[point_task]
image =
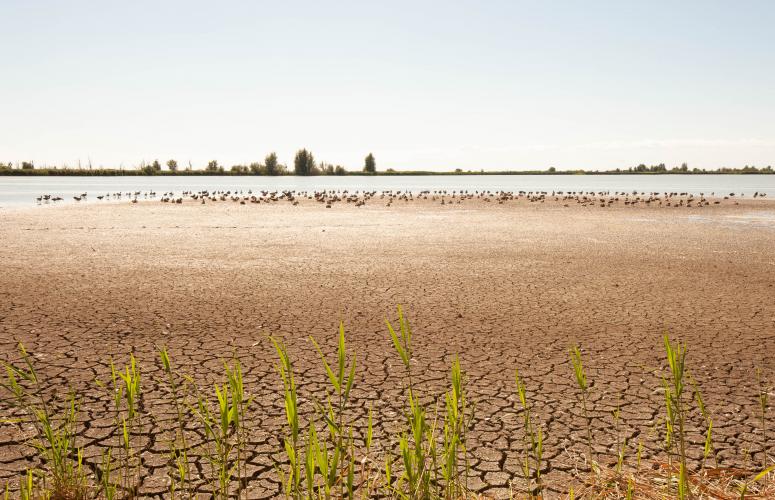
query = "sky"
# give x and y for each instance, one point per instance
(427, 85)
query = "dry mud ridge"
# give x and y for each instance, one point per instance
(501, 286)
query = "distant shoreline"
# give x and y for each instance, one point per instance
(42, 172)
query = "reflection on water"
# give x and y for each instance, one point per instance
(23, 191)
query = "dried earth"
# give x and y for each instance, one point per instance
(502, 286)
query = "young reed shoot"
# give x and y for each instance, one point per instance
(675, 407)
(583, 385)
(341, 378)
(764, 403)
(532, 443)
(179, 447)
(291, 478)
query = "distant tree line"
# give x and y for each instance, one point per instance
(684, 169)
(304, 164)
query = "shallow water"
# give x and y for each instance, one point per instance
(22, 191)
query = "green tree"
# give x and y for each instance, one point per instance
(304, 163)
(326, 168)
(172, 165)
(147, 168)
(28, 165)
(212, 166)
(270, 164)
(339, 170)
(370, 164)
(156, 166)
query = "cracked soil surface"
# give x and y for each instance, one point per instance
(502, 286)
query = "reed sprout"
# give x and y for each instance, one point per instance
(291, 478)
(621, 446)
(532, 443)
(28, 487)
(758, 477)
(223, 426)
(458, 418)
(581, 381)
(106, 483)
(414, 443)
(764, 402)
(674, 386)
(708, 448)
(179, 447)
(125, 389)
(341, 379)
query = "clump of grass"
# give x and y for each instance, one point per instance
(332, 412)
(427, 471)
(125, 389)
(55, 439)
(431, 464)
(327, 467)
(224, 431)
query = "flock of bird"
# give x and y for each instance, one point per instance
(45, 198)
(443, 197)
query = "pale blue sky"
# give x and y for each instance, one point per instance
(423, 85)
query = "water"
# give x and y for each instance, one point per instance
(22, 191)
